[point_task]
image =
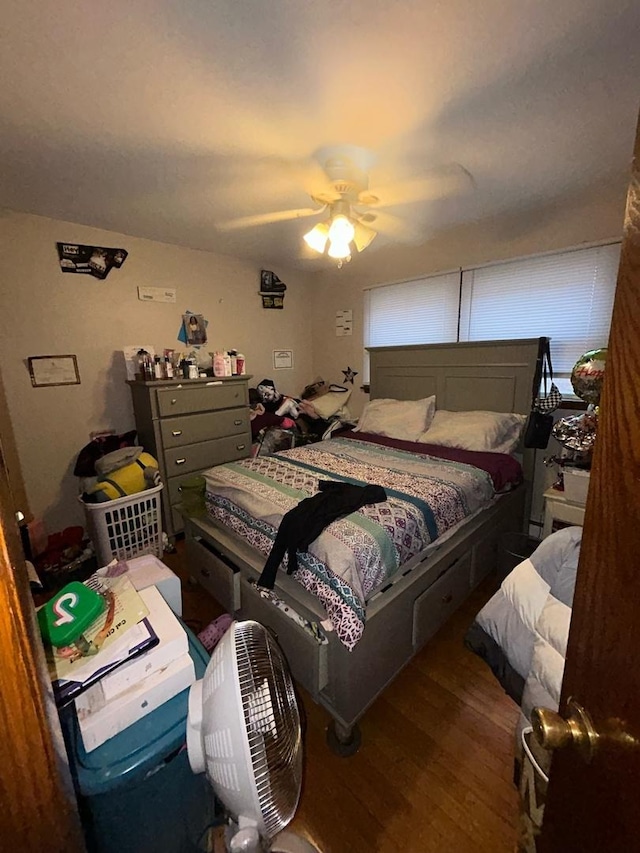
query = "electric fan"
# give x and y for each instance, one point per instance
(243, 730)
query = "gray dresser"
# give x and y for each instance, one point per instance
(190, 425)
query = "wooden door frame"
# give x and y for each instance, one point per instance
(38, 807)
(11, 460)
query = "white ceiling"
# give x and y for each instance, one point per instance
(164, 118)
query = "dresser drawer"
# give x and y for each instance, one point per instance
(205, 454)
(436, 604)
(185, 399)
(190, 429)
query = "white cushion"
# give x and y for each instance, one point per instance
(402, 419)
(496, 432)
(329, 404)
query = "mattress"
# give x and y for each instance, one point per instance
(428, 493)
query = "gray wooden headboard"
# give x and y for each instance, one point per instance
(482, 375)
(492, 376)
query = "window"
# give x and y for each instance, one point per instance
(566, 296)
(424, 311)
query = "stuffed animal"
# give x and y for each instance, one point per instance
(269, 397)
(123, 472)
(275, 402)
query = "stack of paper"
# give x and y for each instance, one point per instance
(148, 570)
(138, 687)
(120, 633)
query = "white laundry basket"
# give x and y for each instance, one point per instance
(126, 527)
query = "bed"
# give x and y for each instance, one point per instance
(346, 668)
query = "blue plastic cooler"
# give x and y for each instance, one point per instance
(136, 792)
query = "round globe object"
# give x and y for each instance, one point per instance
(587, 375)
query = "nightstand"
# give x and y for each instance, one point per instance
(558, 508)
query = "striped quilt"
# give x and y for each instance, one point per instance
(355, 555)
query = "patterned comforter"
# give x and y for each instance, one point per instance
(353, 556)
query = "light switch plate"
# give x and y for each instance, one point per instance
(157, 294)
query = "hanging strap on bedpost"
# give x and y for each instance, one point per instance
(544, 353)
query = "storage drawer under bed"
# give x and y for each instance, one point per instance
(215, 574)
(307, 659)
(440, 600)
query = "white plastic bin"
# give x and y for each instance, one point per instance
(126, 527)
(576, 485)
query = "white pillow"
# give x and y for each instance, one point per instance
(329, 404)
(496, 432)
(402, 419)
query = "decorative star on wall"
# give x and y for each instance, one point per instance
(349, 375)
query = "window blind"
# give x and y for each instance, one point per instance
(567, 297)
(423, 311)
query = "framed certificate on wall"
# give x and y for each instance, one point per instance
(47, 370)
(282, 358)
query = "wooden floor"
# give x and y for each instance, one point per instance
(435, 766)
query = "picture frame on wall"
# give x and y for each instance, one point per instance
(51, 370)
(195, 329)
(282, 358)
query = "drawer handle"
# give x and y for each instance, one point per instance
(205, 573)
(447, 599)
(180, 461)
(174, 401)
(176, 432)
(237, 423)
(240, 446)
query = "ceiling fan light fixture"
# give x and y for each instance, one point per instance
(363, 236)
(317, 238)
(341, 230)
(339, 250)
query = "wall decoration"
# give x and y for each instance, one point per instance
(272, 301)
(97, 261)
(270, 283)
(47, 370)
(156, 294)
(271, 289)
(349, 375)
(344, 322)
(193, 329)
(282, 358)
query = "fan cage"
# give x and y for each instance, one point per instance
(272, 723)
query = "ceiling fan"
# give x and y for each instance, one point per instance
(337, 181)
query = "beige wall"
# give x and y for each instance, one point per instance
(44, 311)
(597, 215)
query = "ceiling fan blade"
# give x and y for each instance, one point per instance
(268, 218)
(394, 227)
(439, 183)
(311, 176)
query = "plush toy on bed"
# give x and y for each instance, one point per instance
(275, 402)
(264, 402)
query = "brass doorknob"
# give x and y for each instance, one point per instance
(554, 732)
